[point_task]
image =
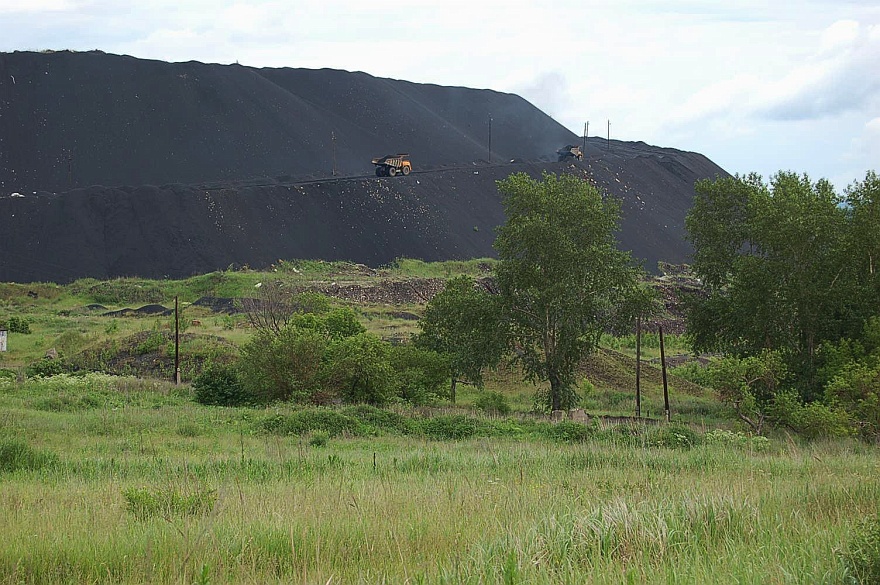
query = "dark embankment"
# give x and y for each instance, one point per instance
(122, 166)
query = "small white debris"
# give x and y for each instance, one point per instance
(16, 195)
(258, 285)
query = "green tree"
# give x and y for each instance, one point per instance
(562, 279)
(464, 323)
(775, 262)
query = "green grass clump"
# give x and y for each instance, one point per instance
(145, 503)
(862, 555)
(568, 432)
(332, 422)
(17, 455)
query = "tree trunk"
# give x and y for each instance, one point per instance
(555, 391)
(452, 390)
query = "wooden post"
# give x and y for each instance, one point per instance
(639, 367)
(176, 342)
(663, 366)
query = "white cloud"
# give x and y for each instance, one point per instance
(35, 6)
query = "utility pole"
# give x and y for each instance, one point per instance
(176, 342)
(609, 134)
(663, 366)
(639, 367)
(489, 151)
(584, 149)
(333, 140)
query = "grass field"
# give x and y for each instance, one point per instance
(124, 481)
(108, 479)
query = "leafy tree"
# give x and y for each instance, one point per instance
(562, 279)
(775, 261)
(464, 323)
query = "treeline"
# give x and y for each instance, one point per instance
(791, 271)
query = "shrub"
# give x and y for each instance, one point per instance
(568, 432)
(282, 366)
(358, 368)
(422, 374)
(319, 439)
(380, 420)
(153, 343)
(861, 558)
(17, 325)
(15, 455)
(736, 439)
(674, 436)
(47, 367)
(330, 421)
(493, 403)
(452, 427)
(219, 385)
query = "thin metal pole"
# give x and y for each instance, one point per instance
(663, 366)
(333, 139)
(639, 367)
(176, 341)
(609, 134)
(489, 149)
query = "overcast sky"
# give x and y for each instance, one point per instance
(755, 85)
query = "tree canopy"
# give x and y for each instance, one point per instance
(789, 267)
(562, 279)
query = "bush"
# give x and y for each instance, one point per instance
(283, 366)
(736, 439)
(358, 368)
(380, 420)
(568, 432)
(17, 325)
(493, 403)
(674, 436)
(219, 385)
(15, 455)
(329, 421)
(47, 367)
(452, 427)
(861, 558)
(319, 439)
(422, 374)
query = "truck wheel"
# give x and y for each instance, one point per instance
(406, 170)
(392, 171)
(379, 171)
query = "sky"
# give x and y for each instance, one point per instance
(755, 85)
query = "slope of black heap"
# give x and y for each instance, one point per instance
(114, 166)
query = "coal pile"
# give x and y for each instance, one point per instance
(126, 167)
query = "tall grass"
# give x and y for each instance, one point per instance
(125, 496)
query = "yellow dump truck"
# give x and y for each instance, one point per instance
(391, 164)
(570, 150)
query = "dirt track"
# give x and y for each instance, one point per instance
(243, 160)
